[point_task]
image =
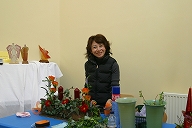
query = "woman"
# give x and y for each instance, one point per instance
(101, 69)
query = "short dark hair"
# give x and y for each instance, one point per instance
(100, 39)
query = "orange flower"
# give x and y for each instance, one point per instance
(85, 90)
(55, 83)
(87, 97)
(51, 78)
(53, 90)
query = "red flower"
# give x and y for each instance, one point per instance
(84, 108)
(47, 103)
(65, 101)
(187, 116)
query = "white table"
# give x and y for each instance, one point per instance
(20, 85)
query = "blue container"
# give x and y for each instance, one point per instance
(115, 90)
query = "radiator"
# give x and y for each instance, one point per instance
(175, 103)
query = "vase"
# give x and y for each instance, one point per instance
(154, 114)
(126, 108)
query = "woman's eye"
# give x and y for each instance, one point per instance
(94, 47)
(101, 45)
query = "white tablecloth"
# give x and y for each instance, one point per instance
(20, 85)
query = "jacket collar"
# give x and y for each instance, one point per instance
(96, 60)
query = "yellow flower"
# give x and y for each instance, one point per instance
(93, 102)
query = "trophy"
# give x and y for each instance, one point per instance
(44, 55)
(24, 54)
(14, 53)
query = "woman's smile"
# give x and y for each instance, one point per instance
(98, 50)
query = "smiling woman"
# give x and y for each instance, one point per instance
(101, 70)
(98, 50)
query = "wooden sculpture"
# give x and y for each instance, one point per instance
(44, 55)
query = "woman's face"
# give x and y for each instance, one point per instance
(98, 50)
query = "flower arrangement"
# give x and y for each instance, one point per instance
(187, 117)
(159, 101)
(67, 107)
(187, 114)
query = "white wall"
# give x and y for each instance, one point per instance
(151, 40)
(33, 23)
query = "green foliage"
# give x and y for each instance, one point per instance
(159, 101)
(88, 122)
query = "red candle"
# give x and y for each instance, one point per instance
(60, 93)
(187, 123)
(60, 89)
(76, 93)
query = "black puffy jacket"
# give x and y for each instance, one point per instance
(103, 74)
